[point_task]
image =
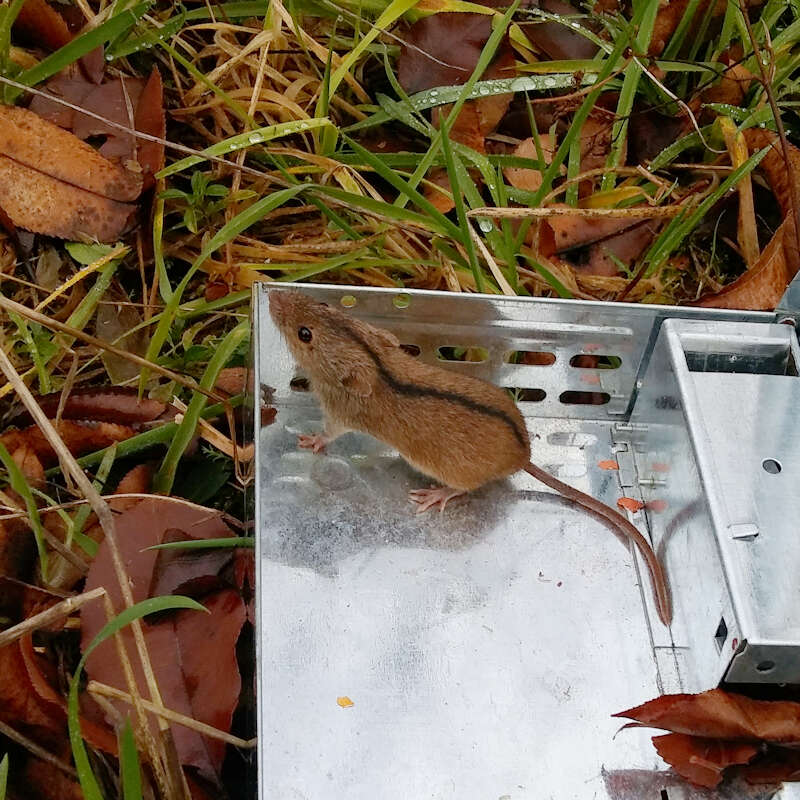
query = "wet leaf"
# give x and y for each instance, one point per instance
(701, 761)
(555, 39)
(718, 714)
(630, 504)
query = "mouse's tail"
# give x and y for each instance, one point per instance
(624, 526)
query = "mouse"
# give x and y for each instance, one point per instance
(461, 431)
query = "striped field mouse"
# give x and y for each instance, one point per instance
(457, 429)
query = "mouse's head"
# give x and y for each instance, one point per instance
(332, 347)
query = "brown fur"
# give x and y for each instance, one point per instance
(462, 443)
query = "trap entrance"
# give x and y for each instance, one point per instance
(480, 653)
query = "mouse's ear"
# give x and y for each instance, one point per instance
(354, 376)
(385, 337)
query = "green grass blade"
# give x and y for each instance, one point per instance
(3, 776)
(619, 131)
(129, 767)
(18, 483)
(404, 188)
(681, 226)
(393, 12)
(8, 13)
(165, 477)
(81, 45)
(225, 234)
(203, 544)
(89, 785)
(242, 140)
(36, 356)
(461, 211)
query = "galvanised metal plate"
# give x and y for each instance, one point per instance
(483, 649)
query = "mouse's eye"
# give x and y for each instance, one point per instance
(304, 335)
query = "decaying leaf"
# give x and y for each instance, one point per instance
(762, 286)
(195, 679)
(150, 119)
(118, 404)
(52, 183)
(525, 177)
(701, 761)
(40, 23)
(79, 437)
(555, 39)
(717, 714)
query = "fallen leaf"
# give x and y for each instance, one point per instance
(555, 39)
(79, 437)
(701, 761)
(779, 764)
(344, 702)
(630, 504)
(52, 183)
(610, 464)
(106, 404)
(42, 781)
(150, 119)
(34, 142)
(762, 286)
(717, 714)
(204, 690)
(525, 177)
(732, 86)
(41, 24)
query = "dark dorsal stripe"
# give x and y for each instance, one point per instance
(412, 390)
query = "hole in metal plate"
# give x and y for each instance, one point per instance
(411, 349)
(471, 353)
(765, 666)
(573, 398)
(772, 466)
(533, 358)
(528, 395)
(595, 362)
(721, 634)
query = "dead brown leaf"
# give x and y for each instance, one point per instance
(150, 119)
(79, 437)
(717, 714)
(52, 183)
(41, 24)
(702, 761)
(194, 679)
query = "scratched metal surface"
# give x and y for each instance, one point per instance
(483, 650)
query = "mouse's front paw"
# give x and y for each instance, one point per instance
(313, 441)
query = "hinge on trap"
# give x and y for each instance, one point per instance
(623, 435)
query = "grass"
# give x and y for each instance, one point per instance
(308, 161)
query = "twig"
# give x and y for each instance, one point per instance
(59, 610)
(103, 689)
(34, 748)
(639, 212)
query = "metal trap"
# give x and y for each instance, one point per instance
(483, 650)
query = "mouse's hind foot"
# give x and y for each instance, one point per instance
(435, 496)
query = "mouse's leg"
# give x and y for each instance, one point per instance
(435, 496)
(319, 441)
